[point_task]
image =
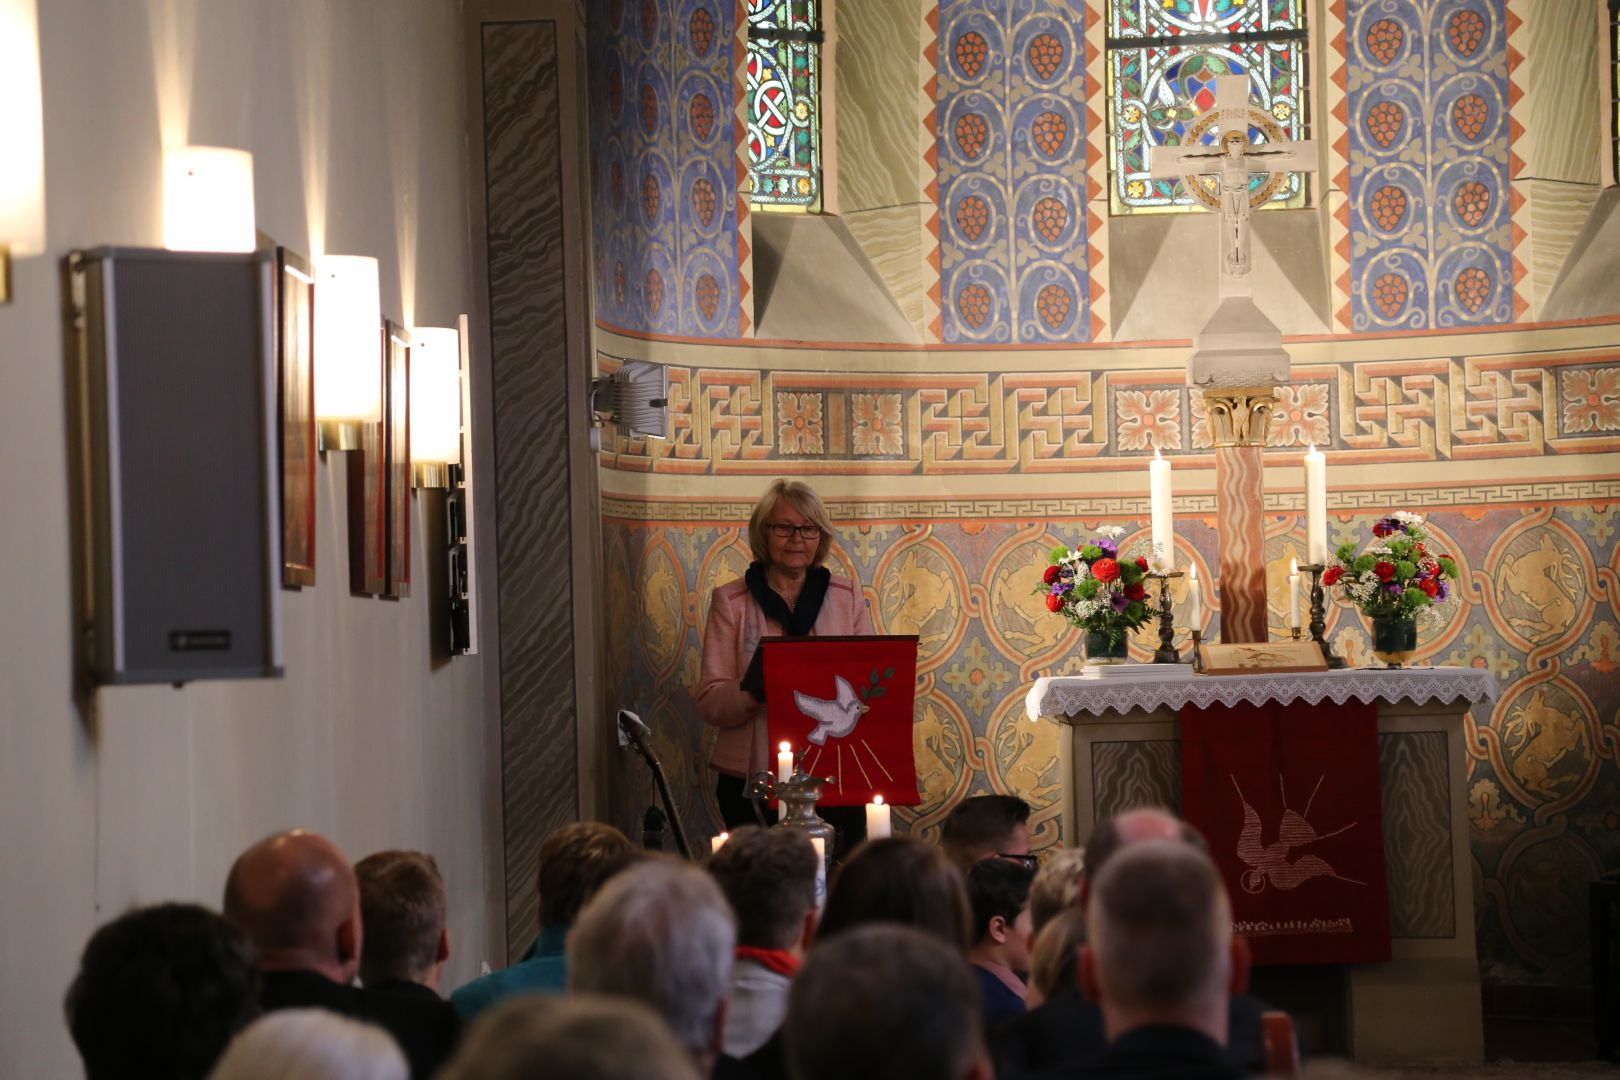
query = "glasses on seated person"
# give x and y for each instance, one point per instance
(1028, 860)
(806, 532)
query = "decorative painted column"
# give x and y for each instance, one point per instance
(1238, 419)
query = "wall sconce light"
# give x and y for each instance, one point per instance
(22, 140)
(435, 404)
(348, 386)
(208, 199)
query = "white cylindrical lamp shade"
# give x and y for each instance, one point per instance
(208, 199)
(435, 395)
(348, 339)
(22, 131)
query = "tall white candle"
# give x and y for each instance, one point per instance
(1164, 521)
(1195, 619)
(1293, 592)
(1315, 506)
(718, 842)
(784, 763)
(877, 819)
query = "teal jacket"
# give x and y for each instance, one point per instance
(542, 970)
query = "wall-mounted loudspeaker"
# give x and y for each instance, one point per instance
(184, 528)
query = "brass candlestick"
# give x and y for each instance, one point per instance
(1197, 658)
(1319, 617)
(1166, 652)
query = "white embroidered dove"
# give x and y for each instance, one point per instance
(836, 717)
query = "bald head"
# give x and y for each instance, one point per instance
(295, 895)
(1134, 826)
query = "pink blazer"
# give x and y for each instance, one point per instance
(735, 626)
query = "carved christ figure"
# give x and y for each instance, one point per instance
(1232, 159)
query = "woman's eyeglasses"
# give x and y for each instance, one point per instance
(806, 532)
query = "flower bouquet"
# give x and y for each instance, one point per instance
(1098, 591)
(1396, 582)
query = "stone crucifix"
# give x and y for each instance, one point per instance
(1233, 158)
(1237, 359)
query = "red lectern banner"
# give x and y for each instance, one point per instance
(845, 703)
(1288, 797)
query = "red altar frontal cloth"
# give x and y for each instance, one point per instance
(845, 703)
(1288, 797)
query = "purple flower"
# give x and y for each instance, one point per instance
(1109, 548)
(1395, 588)
(1119, 601)
(1059, 587)
(1445, 590)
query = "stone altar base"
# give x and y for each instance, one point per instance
(1122, 749)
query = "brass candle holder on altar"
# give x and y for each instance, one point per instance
(1166, 652)
(1319, 616)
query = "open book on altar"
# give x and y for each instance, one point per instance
(844, 707)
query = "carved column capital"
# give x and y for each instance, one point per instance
(1239, 415)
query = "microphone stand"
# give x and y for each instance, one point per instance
(636, 731)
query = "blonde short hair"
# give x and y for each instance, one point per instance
(801, 497)
(1054, 960)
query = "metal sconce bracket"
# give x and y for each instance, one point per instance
(455, 515)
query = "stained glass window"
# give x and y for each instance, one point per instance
(784, 116)
(1614, 89)
(1163, 59)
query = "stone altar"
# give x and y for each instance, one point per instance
(1123, 750)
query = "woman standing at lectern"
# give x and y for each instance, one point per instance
(786, 591)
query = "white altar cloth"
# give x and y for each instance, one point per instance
(1152, 686)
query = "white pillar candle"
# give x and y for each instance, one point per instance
(1293, 592)
(1315, 507)
(877, 819)
(1164, 521)
(718, 842)
(784, 763)
(1195, 619)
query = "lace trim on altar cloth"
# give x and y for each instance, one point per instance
(1072, 695)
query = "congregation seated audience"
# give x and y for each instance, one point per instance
(1054, 958)
(574, 862)
(885, 1002)
(578, 1037)
(403, 909)
(1159, 962)
(998, 892)
(160, 991)
(769, 878)
(1056, 887)
(986, 825)
(1065, 1026)
(901, 880)
(311, 1044)
(660, 933)
(296, 897)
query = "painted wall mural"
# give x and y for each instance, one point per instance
(1428, 104)
(663, 173)
(1011, 129)
(1539, 607)
(1455, 408)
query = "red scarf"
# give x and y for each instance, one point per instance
(778, 960)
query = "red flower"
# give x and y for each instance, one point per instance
(1135, 592)
(1384, 570)
(1051, 574)
(1428, 586)
(1053, 603)
(1105, 570)
(1380, 530)
(1141, 564)
(1420, 549)
(1332, 575)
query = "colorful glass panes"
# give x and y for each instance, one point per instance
(1163, 59)
(784, 124)
(1614, 89)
